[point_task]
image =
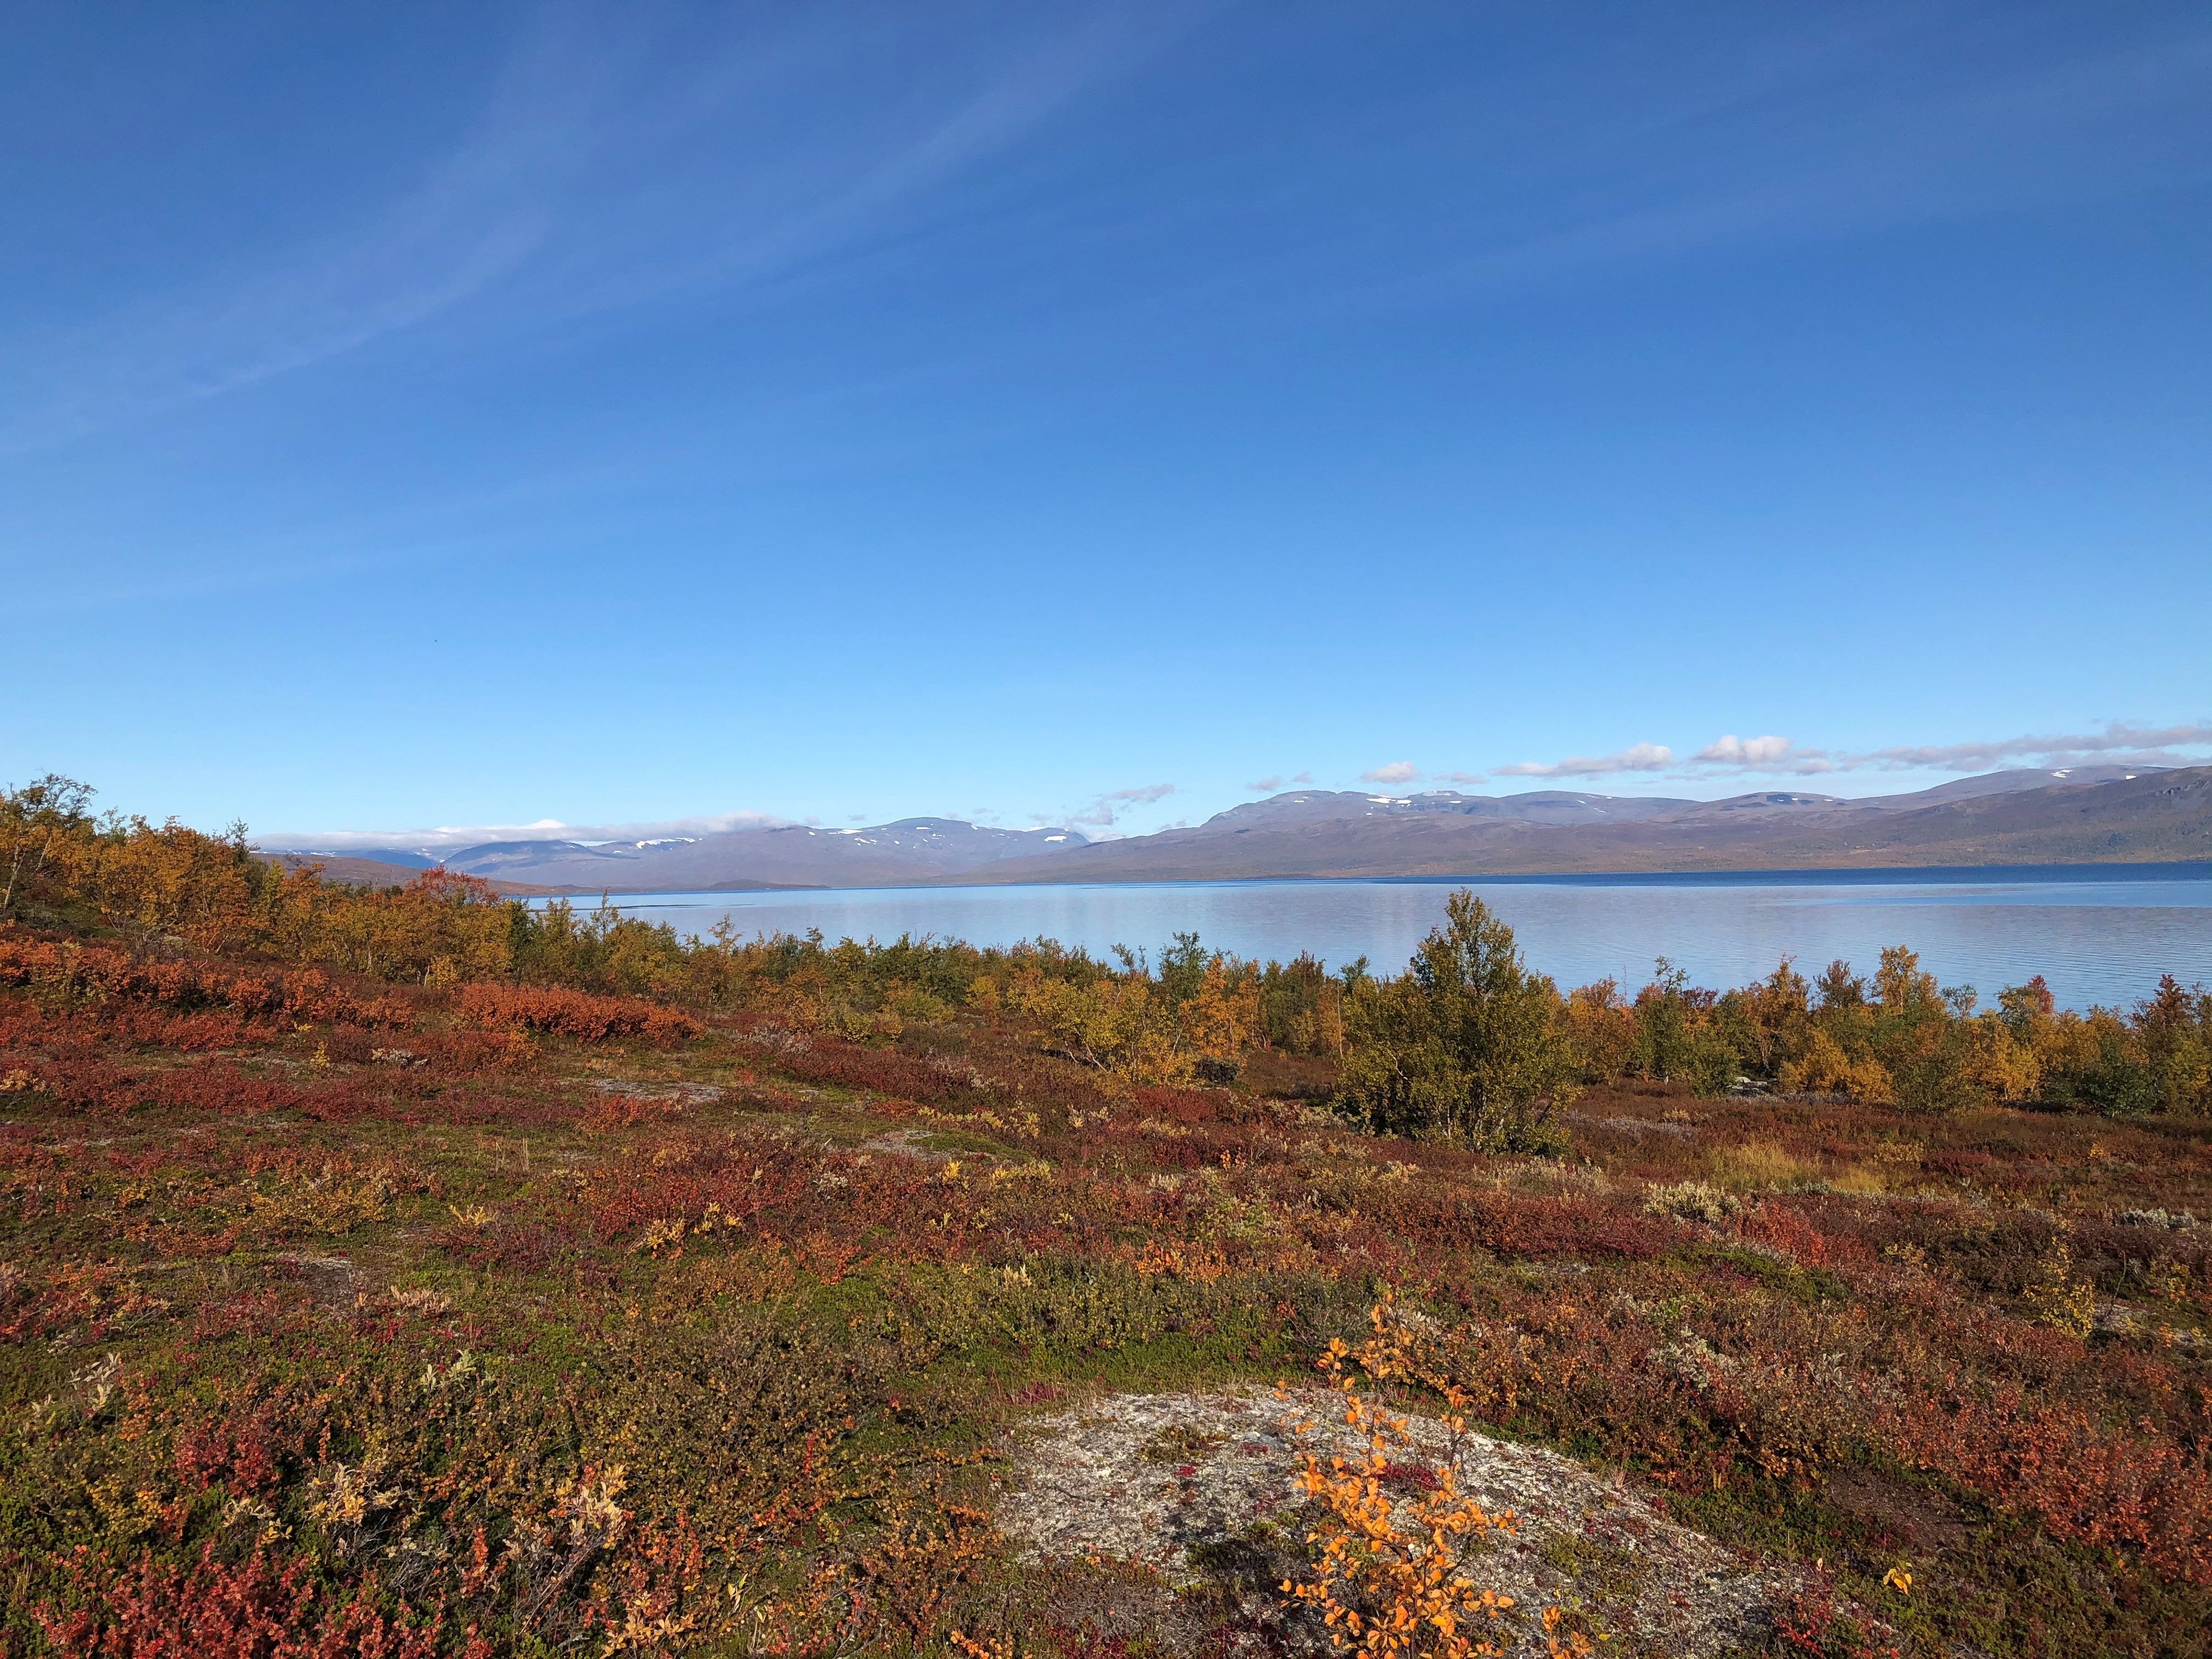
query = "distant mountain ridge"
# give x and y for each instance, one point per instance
(908, 852)
(2080, 815)
(358, 872)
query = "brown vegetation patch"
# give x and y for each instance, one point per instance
(1925, 1520)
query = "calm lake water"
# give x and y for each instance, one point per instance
(2097, 936)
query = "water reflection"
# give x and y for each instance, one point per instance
(2104, 940)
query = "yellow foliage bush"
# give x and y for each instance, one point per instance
(1387, 1578)
(1222, 1018)
(1825, 1069)
(1993, 1061)
(1118, 1023)
(2061, 1301)
(1761, 1163)
(1600, 1029)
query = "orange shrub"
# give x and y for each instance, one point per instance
(95, 972)
(570, 1013)
(258, 1608)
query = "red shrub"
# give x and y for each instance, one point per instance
(883, 1071)
(1582, 1227)
(517, 1246)
(570, 1013)
(1189, 1107)
(1813, 1623)
(247, 1313)
(208, 1028)
(1960, 1162)
(80, 1081)
(469, 1053)
(96, 971)
(256, 1609)
(84, 1082)
(221, 1088)
(2085, 1481)
(24, 1023)
(1797, 1235)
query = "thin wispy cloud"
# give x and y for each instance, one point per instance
(1774, 755)
(615, 163)
(1637, 758)
(1960, 134)
(1732, 750)
(1769, 756)
(1391, 772)
(452, 837)
(1105, 810)
(544, 203)
(2146, 744)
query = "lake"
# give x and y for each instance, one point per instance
(2098, 934)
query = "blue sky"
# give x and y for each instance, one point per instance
(495, 415)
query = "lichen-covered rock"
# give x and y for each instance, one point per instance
(1200, 1487)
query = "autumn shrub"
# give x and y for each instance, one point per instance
(2084, 1481)
(1464, 1046)
(1565, 1226)
(576, 1014)
(1388, 1573)
(1679, 1035)
(1600, 1029)
(513, 1246)
(1302, 1006)
(1826, 1068)
(1692, 1200)
(1813, 1624)
(1120, 1024)
(261, 1607)
(886, 1070)
(2059, 1299)
(2174, 1033)
(2104, 1072)
(69, 970)
(1771, 1022)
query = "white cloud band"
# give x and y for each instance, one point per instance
(1773, 754)
(1637, 758)
(453, 837)
(1391, 772)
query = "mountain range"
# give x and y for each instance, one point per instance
(909, 853)
(2080, 815)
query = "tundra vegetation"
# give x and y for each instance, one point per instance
(410, 1272)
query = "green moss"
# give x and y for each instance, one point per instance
(1801, 1284)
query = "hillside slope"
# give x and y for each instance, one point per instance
(2151, 817)
(380, 872)
(2084, 815)
(909, 852)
